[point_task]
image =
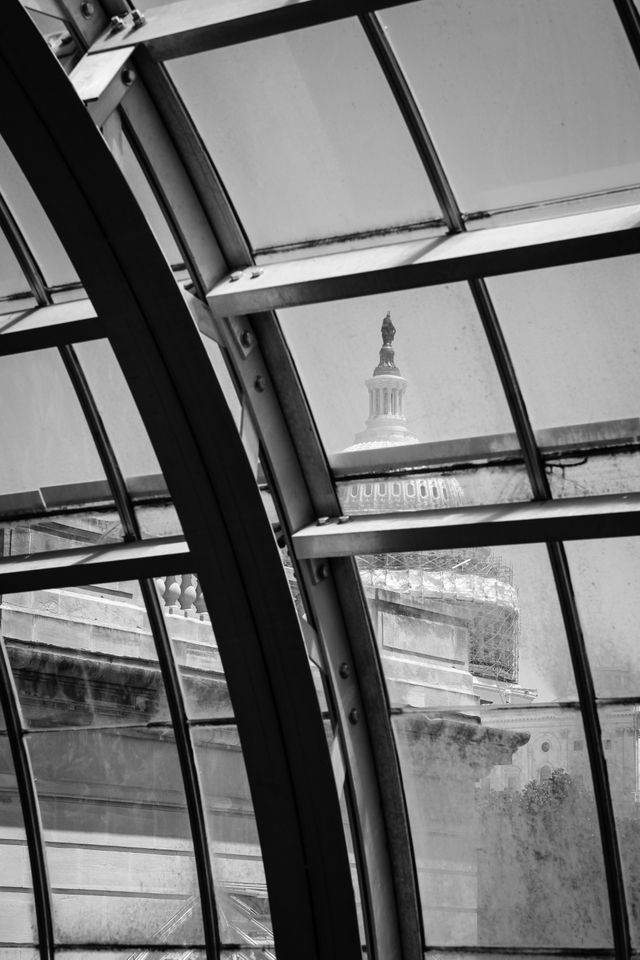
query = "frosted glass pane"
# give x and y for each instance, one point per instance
(17, 908)
(306, 135)
(525, 101)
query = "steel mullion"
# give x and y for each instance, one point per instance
(30, 807)
(630, 18)
(102, 442)
(170, 676)
(535, 469)
(23, 254)
(190, 776)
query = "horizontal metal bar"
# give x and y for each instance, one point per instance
(51, 326)
(192, 26)
(417, 263)
(580, 518)
(86, 565)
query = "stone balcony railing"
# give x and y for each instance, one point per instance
(182, 594)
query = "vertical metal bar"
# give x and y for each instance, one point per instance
(30, 807)
(630, 17)
(101, 439)
(532, 458)
(184, 746)
(166, 661)
(23, 254)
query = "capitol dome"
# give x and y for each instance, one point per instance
(478, 584)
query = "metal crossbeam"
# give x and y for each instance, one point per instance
(572, 519)
(420, 263)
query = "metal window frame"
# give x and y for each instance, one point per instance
(231, 542)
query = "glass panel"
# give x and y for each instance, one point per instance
(433, 391)
(17, 908)
(83, 656)
(159, 521)
(131, 952)
(575, 342)
(241, 890)
(620, 726)
(117, 836)
(49, 458)
(140, 186)
(33, 222)
(121, 418)
(12, 279)
(605, 576)
(434, 490)
(215, 354)
(41, 534)
(501, 806)
(525, 101)
(306, 135)
(194, 647)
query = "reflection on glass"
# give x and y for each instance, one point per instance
(433, 390)
(194, 647)
(241, 890)
(620, 726)
(592, 474)
(33, 222)
(83, 656)
(49, 458)
(59, 38)
(605, 575)
(62, 532)
(117, 835)
(17, 908)
(121, 418)
(494, 760)
(574, 330)
(306, 135)
(525, 101)
(158, 521)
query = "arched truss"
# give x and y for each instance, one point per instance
(152, 329)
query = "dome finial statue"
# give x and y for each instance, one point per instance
(387, 353)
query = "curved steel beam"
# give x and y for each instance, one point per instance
(196, 441)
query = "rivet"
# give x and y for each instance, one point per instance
(344, 519)
(256, 272)
(344, 670)
(246, 338)
(87, 9)
(259, 384)
(323, 571)
(117, 24)
(235, 276)
(128, 76)
(320, 522)
(354, 716)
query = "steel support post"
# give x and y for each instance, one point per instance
(196, 441)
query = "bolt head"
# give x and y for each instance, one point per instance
(354, 716)
(259, 384)
(344, 670)
(246, 338)
(128, 76)
(87, 9)
(117, 24)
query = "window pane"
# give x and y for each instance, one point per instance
(194, 647)
(241, 890)
(12, 279)
(424, 393)
(619, 726)
(117, 835)
(17, 908)
(49, 458)
(606, 578)
(83, 657)
(33, 222)
(494, 759)
(306, 135)
(575, 342)
(525, 101)
(121, 418)
(62, 532)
